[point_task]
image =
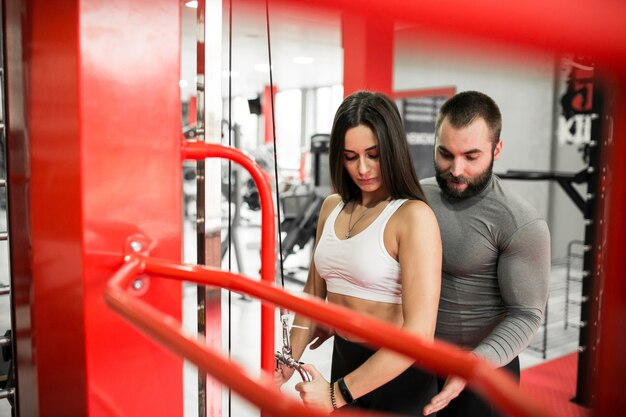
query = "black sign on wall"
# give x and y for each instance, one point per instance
(420, 114)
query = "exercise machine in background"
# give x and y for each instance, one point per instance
(300, 206)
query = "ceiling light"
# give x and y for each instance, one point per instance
(303, 60)
(262, 67)
(193, 4)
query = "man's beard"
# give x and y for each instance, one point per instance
(474, 186)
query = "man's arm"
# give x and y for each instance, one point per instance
(523, 276)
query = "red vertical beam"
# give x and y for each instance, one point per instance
(367, 53)
(611, 315)
(94, 127)
(45, 206)
(56, 207)
(130, 126)
(269, 94)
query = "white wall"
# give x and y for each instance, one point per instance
(524, 88)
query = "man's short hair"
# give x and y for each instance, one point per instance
(463, 108)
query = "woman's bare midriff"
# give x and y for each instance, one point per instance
(388, 312)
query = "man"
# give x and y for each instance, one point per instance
(496, 250)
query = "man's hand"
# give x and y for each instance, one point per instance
(451, 389)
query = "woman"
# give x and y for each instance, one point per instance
(378, 253)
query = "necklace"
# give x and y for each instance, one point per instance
(350, 225)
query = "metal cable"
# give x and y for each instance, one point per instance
(269, 54)
(230, 100)
(284, 356)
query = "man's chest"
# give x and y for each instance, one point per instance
(471, 246)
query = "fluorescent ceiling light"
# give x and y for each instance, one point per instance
(303, 60)
(193, 4)
(183, 83)
(262, 67)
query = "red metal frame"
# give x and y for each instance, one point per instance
(433, 356)
(202, 150)
(610, 297)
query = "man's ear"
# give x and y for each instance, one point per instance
(497, 150)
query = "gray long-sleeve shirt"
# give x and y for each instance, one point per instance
(496, 268)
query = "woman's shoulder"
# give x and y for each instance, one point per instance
(331, 201)
(333, 198)
(329, 205)
(414, 205)
(416, 221)
(412, 211)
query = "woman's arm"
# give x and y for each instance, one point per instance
(419, 255)
(304, 329)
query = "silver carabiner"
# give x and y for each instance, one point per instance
(284, 357)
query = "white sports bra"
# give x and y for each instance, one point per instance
(360, 266)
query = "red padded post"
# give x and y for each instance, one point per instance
(94, 108)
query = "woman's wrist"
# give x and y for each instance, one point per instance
(345, 394)
(336, 399)
(333, 396)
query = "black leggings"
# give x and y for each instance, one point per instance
(468, 404)
(407, 394)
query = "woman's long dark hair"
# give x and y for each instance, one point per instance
(381, 115)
